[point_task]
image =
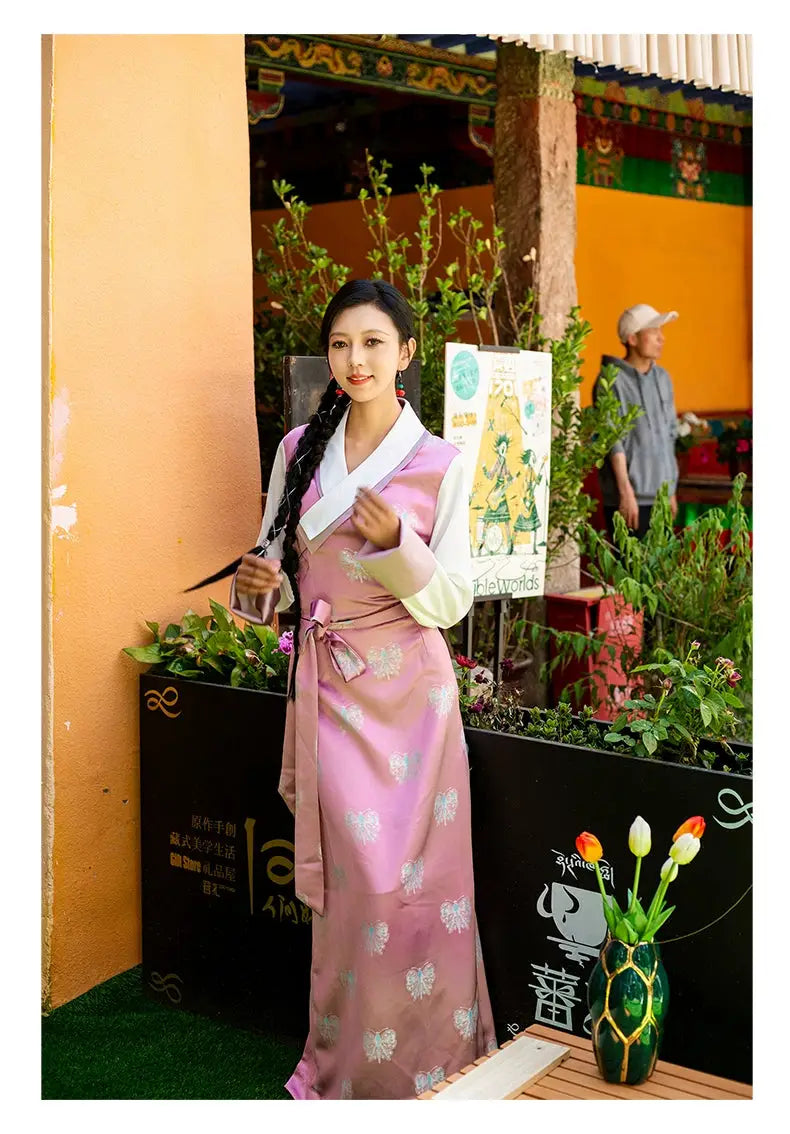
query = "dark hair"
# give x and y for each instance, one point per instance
(379, 294)
(313, 442)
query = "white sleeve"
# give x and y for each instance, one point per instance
(433, 580)
(258, 609)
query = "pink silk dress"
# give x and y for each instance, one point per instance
(375, 770)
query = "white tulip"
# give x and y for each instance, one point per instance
(684, 849)
(639, 837)
(669, 871)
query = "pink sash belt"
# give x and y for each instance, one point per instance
(299, 779)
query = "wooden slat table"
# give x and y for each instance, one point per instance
(577, 1077)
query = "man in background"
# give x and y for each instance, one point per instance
(637, 466)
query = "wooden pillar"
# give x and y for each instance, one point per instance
(535, 201)
(535, 176)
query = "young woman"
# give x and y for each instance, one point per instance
(366, 538)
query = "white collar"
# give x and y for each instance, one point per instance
(339, 486)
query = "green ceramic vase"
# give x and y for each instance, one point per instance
(628, 997)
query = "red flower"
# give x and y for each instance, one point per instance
(742, 446)
(507, 667)
(465, 662)
(694, 826)
(589, 847)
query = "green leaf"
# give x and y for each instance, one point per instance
(705, 712)
(236, 675)
(154, 628)
(656, 922)
(224, 621)
(173, 631)
(149, 654)
(650, 742)
(608, 913)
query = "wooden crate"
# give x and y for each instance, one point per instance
(577, 1077)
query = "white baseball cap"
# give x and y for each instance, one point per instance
(642, 317)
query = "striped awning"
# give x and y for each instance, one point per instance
(717, 62)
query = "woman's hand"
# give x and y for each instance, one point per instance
(375, 520)
(257, 576)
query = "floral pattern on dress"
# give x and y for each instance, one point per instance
(492, 1046)
(424, 1080)
(441, 698)
(386, 662)
(405, 766)
(346, 1090)
(340, 877)
(365, 826)
(465, 1021)
(419, 981)
(411, 874)
(409, 518)
(478, 946)
(353, 568)
(329, 1029)
(456, 916)
(352, 715)
(379, 1046)
(348, 662)
(445, 806)
(348, 981)
(376, 938)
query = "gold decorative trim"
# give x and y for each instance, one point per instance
(420, 51)
(426, 78)
(155, 700)
(312, 55)
(169, 984)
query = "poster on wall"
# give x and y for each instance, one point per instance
(497, 412)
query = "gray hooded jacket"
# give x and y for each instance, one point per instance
(650, 445)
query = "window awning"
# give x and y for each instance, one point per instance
(714, 61)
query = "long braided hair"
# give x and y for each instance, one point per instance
(313, 442)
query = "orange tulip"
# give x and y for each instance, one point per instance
(694, 826)
(589, 847)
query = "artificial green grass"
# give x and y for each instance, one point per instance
(115, 1043)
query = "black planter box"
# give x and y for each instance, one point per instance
(539, 905)
(223, 933)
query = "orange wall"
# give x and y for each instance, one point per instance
(631, 248)
(679, 256)
(153, 464)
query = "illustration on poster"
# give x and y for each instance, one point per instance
(498, 414)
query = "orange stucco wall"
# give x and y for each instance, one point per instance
(685, 256)
(153, 463)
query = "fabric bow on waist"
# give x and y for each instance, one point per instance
(300, 751)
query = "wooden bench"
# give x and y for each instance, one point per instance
(574, 1075)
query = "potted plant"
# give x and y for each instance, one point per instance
(691, 431)
(539, 776)
(222, 930)
(735, 446)
(628, 989)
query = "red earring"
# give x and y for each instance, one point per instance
(400, 389)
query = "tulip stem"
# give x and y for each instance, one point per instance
(655, 905)
(635, 887)
(600, 883)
